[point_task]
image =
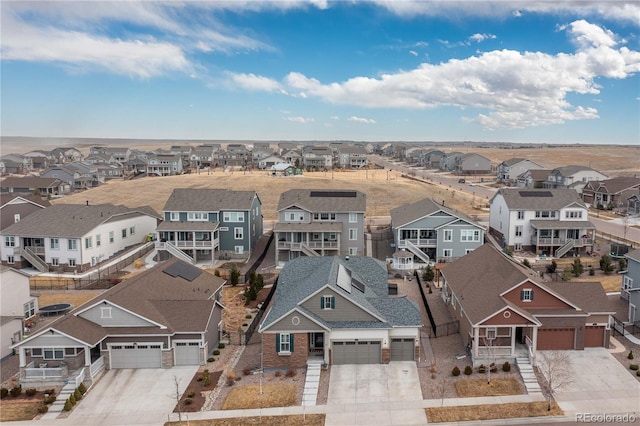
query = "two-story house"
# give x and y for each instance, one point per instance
(550, 222)
(432, 232)
(506, 311)
(41, 186)
(509, 170)
(17, 306)
(75, 237)
(574, 177)
(610, 193)
(472, 164)
(15, 207)
(200, 225)
(337, 310)
(317, 157)
(534, 178)
(320, 223)
(352, 157)
(162, 164)
(630, 288)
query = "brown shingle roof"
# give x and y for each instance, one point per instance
(303, 198)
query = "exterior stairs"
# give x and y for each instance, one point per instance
(561, 251)
(308, 250)
(58, 405)
(528, 376)
(34, 259)
(416, 250)
(176, 252)
(311, 382)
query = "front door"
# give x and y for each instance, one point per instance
(316, 344)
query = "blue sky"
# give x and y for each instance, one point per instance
(551, 72)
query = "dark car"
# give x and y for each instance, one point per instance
(461, 180)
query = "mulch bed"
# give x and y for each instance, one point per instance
(194, 392)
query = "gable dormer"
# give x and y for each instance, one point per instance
(107, 314)
(530, 295)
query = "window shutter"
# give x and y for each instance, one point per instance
(291, 343)
(521, 294)
(333, 302)
(278, 343)
(532, 295)
(322, 302)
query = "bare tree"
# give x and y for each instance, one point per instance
(488, 346)
(555, 366)
(177, 396)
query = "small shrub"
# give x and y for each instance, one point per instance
(211, 359)
(206, 380)
(634, 366)
(188, 401)
(72, 399)
(199, 379)
(77, 395)
(248, 316)
(430, 290)
(220, 345)
(246, 371)
(30, 391)
(278, 373)
(291, 372)
(456, 371)
(468, 370)
(16, 391)
(592, 271)
(630, 356)
(68, 406)
(216, 352)
(493, 368)
(244, 324)
(526, 263)
(50, 399)
(506, 367)
(4, 392)
(482, 368)
(50, 391)
(82, 388)
(216, 273)
(191, 394)
(638, 373)
(43, 409)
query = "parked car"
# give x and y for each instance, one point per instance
(461, 180)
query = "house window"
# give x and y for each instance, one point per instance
(627, 283)
(53, 353)
(72, 263)
(16, 218)
(105, 312)
(55, 261)
(526, 295)
(238, 233)
(517, 247)
(54, 243)
(353, 234)
(9, 241)
(284, 344)
(353, 218)
(10, 260)
(519, 231)
(197, 216)
(233, 217)
(332, 236)
(490, 333)
(73, 244)
(573, 214)
(294, 216)
(503, 332)
(174, 216)
(124, 233)
(470, 235)
(98, 240)
(239, 249)
(353, 251)
(447, 253)
(520, 215)
(447, 235)
(88, 242)
(111, 237)
(30, 309)
(328, 302)
(467, 251)
(132, 230)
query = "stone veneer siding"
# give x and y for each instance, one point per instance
(298, 358)
(386, 355)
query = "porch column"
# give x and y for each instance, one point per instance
(534, 343)
(476, 341)
(513, 340)
(22, 357)
(87, 356)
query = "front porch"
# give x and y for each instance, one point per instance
(557, 238)
(41, 375)
(493, 345)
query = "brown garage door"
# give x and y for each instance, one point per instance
(556, 338)
(594, 337)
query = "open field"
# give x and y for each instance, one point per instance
(493, 411)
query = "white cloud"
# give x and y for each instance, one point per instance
(361, 120)
(479, 38)
(301, 120)
(254, 82)
(413, 52)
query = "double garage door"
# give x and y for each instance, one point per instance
(556, 338)
(357, 352)
(402, 349)
(135, 356)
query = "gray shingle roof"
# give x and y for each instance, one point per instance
(634, 254)
(208, 200)
(530, 199)
(30, 182)
(72, 220)
(410, 212)
(304, 276)
(303, 198)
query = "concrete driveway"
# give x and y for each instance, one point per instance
(128, 396)
(600, 385)
(384, 394)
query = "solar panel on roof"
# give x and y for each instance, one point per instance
(344, 194)
(183, 270)
(357, 284)
(344, 279)
(535, 193)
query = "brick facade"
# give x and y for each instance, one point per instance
(298, 358)
(386, 355)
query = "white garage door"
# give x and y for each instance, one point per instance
(402, 349)
(357, 352)
(187, 353)
(135, 356)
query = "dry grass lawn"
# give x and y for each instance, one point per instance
(273, 395)
(76, 298)
(16, 411)
(609, 282)
(479, 387)
(294, 420)
(493, 411)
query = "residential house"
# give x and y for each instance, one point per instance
(293, 156)
(169, 315)
(197, 223)
(108, 171)
(449, 160)
(41, 186)
(506, 311)
(472, 164)
(287, 146)
(15, 207)
(532, 178)
(352, 157)
(610, 193)
(236, 155)
(74, 237)
(317, 157)
(630, 289)
(432, 159)
(431, 232)
(40, 159)
(16, 164)
(118, 154)
(17, 306)
(283, 169)
(320, 223)
(267, 162)
(202, 157)
(550, 222)
(633, 204)
(162, 164)
(184, 151)
(509, 170)
(260, 154)
(66, 155)
(337, 310)
(575, 177)
(79, 176)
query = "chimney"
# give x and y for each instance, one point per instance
(346, 258)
